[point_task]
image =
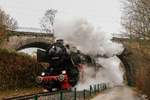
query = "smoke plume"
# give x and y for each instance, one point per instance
(111, 73)
(88, 39)
(93, 42)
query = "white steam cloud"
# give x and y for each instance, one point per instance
(89, 40)
(111, 73)
(92, 41)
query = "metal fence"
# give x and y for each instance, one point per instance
(85, 94)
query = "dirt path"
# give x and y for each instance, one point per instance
(118, 93)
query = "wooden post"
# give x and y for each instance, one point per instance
(101, 87)
(98, 90)
(91, 90)
(61, 95)
(35, 97)
(75, 94)
(95, 89)
(84, 94)
(105, 86)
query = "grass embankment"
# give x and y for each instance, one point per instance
(19, 92)
(17, 71)
(137, 62)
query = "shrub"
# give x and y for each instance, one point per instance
(17, 70)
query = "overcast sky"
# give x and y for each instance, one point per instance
(101, 13)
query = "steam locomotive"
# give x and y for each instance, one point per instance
(64, 65)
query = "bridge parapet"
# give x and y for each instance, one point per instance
(15, 33)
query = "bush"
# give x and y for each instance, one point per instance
(17, 70)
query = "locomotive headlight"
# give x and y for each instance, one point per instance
(42, 74)
(63, 72)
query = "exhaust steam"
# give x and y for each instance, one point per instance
(93, 42)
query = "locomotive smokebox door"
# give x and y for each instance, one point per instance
(41, 56)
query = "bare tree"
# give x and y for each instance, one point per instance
(9, 22)
(136, 18)
(47, 21)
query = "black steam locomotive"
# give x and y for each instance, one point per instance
(64, 66)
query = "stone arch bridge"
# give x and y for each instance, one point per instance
(22, 40)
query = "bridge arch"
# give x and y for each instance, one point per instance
(41, 45)
(26, 40)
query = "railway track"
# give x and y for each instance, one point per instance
(31, 96)
(67, 95)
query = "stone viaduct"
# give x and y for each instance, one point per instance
(21, 40)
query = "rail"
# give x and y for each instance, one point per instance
(85, 94)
